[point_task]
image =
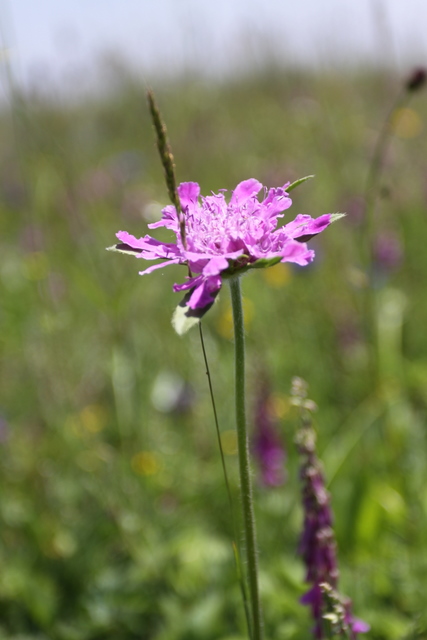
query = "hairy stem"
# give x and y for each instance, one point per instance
(244, 461)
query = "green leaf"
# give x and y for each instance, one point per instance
(295, 184)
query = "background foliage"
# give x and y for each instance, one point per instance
(114, 520)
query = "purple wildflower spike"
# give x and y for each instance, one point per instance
(267, 446)
(317, 543)
(225, 239)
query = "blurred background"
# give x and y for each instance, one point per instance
(71, 47)
(114, 520)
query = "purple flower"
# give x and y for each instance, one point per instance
(267, 446)
(356, 625)
(317, 543)
(224, 239)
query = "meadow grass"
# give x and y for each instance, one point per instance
(114, 520)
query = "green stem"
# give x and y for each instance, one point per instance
(244, 463)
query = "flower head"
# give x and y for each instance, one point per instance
(223, 239)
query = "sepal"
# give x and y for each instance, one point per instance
(262, 263)
(297, 183)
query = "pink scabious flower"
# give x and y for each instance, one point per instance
(223, 239)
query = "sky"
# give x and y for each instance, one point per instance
(63, 43)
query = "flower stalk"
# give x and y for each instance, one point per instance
(244, 461)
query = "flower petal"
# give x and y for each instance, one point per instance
(297, 252)
(154, 249)
(131, 241)
(188, 193)
(215, 266)
(244, 191)
(205, 293)
(149, 248)
(198, 261)
(360, 626)
(153, 267)
(276, 201)
(169, 219)
(304, 225)
(188, 284)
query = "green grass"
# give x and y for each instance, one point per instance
(114, 520)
